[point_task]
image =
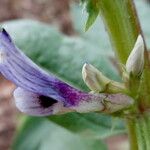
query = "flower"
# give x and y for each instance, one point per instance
(39, 93)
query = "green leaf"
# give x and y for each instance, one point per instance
(65, 56)
(91, 124)
(40, 134)
(92, 8)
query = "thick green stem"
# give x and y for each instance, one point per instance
(132, 134)
(122, 25)
(139, 134)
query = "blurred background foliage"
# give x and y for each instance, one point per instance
(61, 46)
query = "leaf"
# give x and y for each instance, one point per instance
(91, 124)
(92, 8)
(40, 134)
(65, 56)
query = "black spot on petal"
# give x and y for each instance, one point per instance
(6, 34)
(46, 101)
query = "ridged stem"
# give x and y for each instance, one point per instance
(139, 132)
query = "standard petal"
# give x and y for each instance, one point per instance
(18, 68)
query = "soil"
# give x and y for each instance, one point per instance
(49, 11)
(7, 114)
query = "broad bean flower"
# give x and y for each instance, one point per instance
(39, 93)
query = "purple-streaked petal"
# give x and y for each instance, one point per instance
(18, 68)
(40, 105)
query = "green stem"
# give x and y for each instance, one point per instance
(139, 132)
(132, 134)
(122, 25)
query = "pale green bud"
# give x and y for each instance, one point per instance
(135, 61)
(98, 82)
(93, 78)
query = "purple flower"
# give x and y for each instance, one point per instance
(39, 93)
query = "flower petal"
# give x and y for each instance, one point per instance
(18, 68)
(40, 105)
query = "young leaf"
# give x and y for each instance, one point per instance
(92, 8)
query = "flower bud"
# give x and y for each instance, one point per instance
(135, 61)
(98, 82)
(93, 78)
